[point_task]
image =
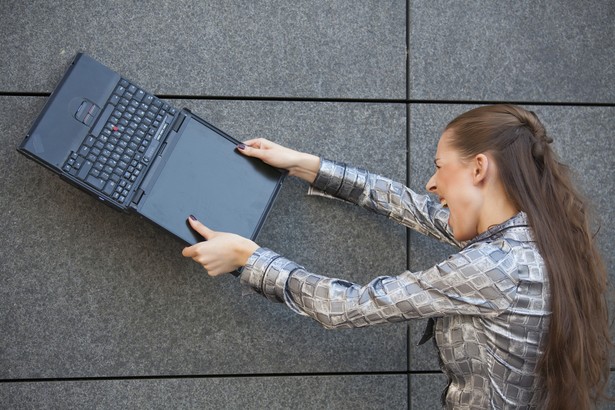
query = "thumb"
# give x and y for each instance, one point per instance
(249, 151)
(200, 228)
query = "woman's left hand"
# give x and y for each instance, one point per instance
(221, 252)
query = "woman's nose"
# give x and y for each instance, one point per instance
(431, 184)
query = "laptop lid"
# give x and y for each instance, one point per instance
(204, 175)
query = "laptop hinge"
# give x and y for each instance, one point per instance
(179, 122)
(138, 194)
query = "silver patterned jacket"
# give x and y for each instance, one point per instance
(490, 301)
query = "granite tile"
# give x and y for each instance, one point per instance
(342, 48)
(91, 292)
(426, 391)
(584, 139)
(533, 51)
(309, 392)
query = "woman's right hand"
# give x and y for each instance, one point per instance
(299, 164)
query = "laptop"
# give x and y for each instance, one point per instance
(139, 154)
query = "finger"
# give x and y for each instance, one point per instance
(204, 231)
(189, 251)
(251, 151)
(256, 142)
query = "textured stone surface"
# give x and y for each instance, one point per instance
(306, 392)
(583, 137)
(524, 51)
(352, 49)
(426, 391)
(88, 291)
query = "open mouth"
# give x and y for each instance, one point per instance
(444, 203)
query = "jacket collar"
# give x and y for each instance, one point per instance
(518, 221)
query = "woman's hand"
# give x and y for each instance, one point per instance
(299, 164)
(221, 252)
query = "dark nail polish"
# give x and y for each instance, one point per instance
(241, 146)
(193, 217)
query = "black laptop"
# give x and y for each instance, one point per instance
(138, 153)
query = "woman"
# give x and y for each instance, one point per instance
(520, 312)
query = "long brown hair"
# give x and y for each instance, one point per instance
(574, 366)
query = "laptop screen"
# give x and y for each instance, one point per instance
(205, 176)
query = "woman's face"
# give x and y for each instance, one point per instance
(453, 183)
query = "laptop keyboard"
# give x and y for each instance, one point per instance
(121, 144)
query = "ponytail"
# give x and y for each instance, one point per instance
(574, 365)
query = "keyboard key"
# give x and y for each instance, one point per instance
(89, 141)
(85, 169)
(110, 187)
(78, 162)
(95, 182)
(139, 95)
(114, 99)
(84, 151)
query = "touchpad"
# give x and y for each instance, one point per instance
(205, 176)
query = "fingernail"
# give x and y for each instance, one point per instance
(241, 146)
(193, 217)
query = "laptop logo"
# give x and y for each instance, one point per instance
(87, 112)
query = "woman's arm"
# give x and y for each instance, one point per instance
(386, 197)
(371, 191)
(480, 280)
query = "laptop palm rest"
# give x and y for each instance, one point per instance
(205, 176)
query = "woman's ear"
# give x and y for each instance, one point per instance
(481, 168)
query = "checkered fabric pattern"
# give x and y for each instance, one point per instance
(489, 301)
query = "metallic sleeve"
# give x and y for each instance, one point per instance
(384, 196)
(480, 280)
(267, 273)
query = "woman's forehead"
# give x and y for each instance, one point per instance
(444, 144)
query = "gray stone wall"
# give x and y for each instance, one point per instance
(99, 309)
